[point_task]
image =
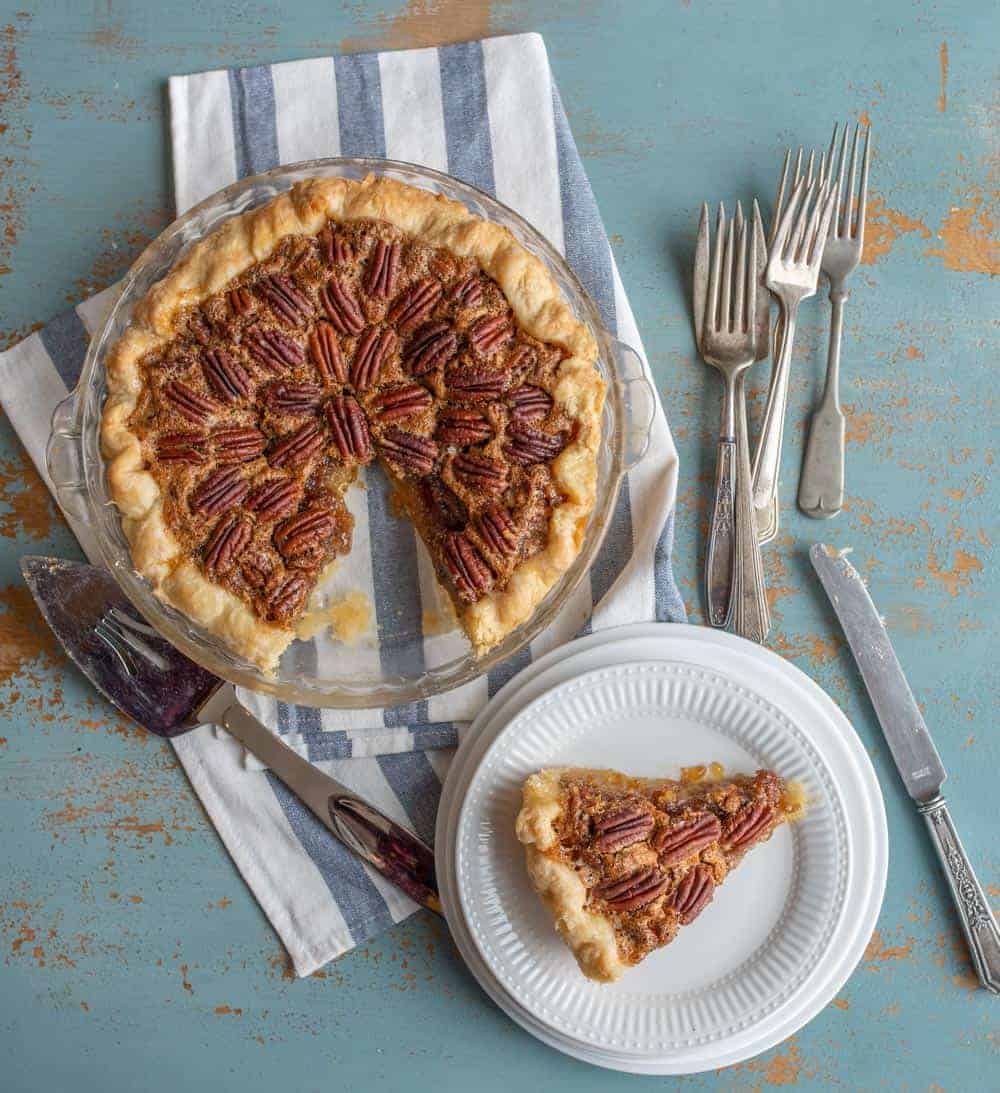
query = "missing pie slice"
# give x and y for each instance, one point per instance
(622, 863)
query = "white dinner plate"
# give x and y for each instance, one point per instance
(782, 934)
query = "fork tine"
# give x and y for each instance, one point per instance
(781, 237)
(859, 227)
(848, 207)
(842, 164)
(808, 225)
(740, 271)
(779, 200)
(752, 275)
(725, 320)
(809, 172)
(712, 314)
(826, 204)
(808, 201)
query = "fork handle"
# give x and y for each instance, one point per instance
(821, 484)
(767, 458)
(751, 616)
(722, 537)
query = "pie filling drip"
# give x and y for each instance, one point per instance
(357, 344)
(650, 855)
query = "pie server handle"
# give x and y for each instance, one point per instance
(399, 855)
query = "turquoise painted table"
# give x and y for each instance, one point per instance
(133, 956)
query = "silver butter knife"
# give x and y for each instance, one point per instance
(916, 757)
(163, 691)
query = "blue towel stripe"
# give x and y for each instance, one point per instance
(359, 105)
(255, 129)
(589, 254)
(416, 784)
(357, 898)
(65, 339)
(466, 114)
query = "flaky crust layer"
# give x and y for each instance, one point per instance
(538, 306)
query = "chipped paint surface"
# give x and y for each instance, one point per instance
(126, 936)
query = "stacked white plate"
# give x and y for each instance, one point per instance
(783, 933)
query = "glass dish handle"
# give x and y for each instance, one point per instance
(639, 401)
(64, 458)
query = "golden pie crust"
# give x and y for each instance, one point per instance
(241, 244)
(622, 863)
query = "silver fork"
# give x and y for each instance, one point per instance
(728, 328)
(821, 485)
(792, 276)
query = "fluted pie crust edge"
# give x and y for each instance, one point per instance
(538, 307)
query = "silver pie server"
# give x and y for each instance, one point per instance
(913, 750)
(158, 687)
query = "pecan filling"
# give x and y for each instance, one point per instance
(356, 344)
(652, 855)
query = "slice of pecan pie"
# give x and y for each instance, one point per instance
(622, 863)
(344, 323)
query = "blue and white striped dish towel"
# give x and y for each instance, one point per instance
(487, 112)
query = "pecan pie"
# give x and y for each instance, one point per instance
(622, 863)
(343, 323)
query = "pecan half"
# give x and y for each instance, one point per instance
(286, 600)
(529, 446)
(227, 377)
(686, 838)
(635, 890)
(182, 448)
(467, 292)
(219, 492)
(231, 537)
(256, 571)
(324, 349)
(273, 350)
(374, 349)
(304, 533)
(274, 499)
(383, 269)
(693, 894)
(286, 300)
(293, 398)
(487, 335)
(434, 345)
(403, 401)
(200, 327)
(240, 302)
(468, 569)
(189, 404)
(529, 403)
(445, 503)
(409, 452)
(480, 472)
(476, 384)
(237, 444)
(622, 827)
(341, 307)
(298, 447)
(498, 531)
(747, 826)
(463, 428)
(333, 248)
(349, 427)
(415, 304)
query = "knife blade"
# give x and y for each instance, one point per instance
(143, 675)
(902, 723)
(912, 748)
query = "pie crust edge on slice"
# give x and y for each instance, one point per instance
(538, 307)
(592, 934)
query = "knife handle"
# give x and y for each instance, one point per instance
(396, 853)
(978, 921)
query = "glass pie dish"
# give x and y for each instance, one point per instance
(428, 653)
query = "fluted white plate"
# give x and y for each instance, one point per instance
(748, 971)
